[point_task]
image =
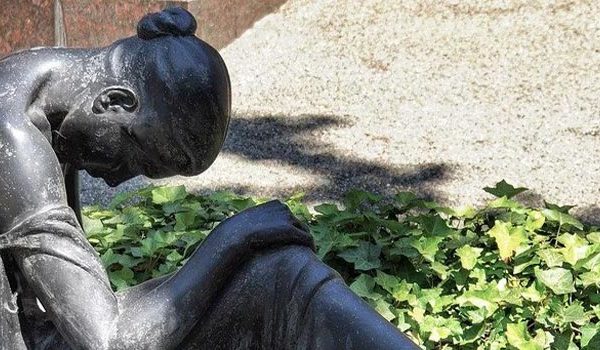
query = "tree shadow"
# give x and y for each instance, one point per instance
(589, 215)
(297, 142)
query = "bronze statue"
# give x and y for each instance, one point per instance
(156, 104)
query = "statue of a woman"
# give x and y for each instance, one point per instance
(157, 104)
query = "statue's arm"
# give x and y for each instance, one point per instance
(72, 182)
(68, 279)
(31, 184)
(90, 316)
(30, 176)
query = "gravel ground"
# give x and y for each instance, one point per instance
(442, 97)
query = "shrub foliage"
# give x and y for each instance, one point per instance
(502, 276)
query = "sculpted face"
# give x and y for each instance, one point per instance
(163, 118)
(96, 134)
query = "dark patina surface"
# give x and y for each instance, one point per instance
(156, 104)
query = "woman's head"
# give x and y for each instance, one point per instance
(162, 108)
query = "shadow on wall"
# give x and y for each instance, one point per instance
(296, 142)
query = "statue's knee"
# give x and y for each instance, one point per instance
(293, 266)
(287, 277)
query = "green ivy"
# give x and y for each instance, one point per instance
(502, 276)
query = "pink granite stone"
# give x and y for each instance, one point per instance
(93, 23)
(25, 24)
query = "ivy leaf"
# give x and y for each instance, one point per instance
(590, 336)
(192, 237)
(185, 219)
(551, 257)
(478, 315)
(115, 235)
(403, 247)
(108, 258)
(465, 212)
(122, 278)
(593, 237)
(574, 313)
(533, 293)
(504, 202)
(535, 220)
(324, 239)
(404, 199)
(355, 198)
(517, 336)
(440, 328)
(507, 238)
(523, 262)
(327, 209)
(559, 280)
(92, 226)
(133, 216)
(127, 260)
(486, 298)
(384, 309)
(435, 226)
(563, 341)
(575, 248)
(504, 189)
(119, 199)
(590, 278)
(162, 195)
(592, 262)
(363, 286)
(401, 323)
(364, 257)
(174, 256)
(472, 334)
(562, 218)
(402, 292)
(386, 281)
(427, 246)
(440, 269)
(468, 256)
(563, 209)
(433, 271)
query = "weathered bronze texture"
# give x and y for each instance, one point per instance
(156, 104)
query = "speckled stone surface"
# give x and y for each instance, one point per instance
(439, 97)
(219, 21)
(90, 23)
(25, 24)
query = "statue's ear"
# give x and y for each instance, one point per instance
(115, 99)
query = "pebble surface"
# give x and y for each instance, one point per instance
(441, 97)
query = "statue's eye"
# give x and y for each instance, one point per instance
(115, 100)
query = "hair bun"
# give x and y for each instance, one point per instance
(173, 21)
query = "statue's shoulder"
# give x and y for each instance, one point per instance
(27, 54)
(21, 75)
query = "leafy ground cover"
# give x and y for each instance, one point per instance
(501, 276)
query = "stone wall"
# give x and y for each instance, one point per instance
(88, 23)
(25, 23)
(99, 22)
(221, 21)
